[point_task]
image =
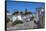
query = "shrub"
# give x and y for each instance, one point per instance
(31, 18)
(7, 19)
(17, 22)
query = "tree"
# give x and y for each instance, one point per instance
(26, 12)
(21, 12)
(32, 18)
(15, 12)
(7, 20)
(17, 22)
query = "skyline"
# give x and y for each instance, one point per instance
(21, 6)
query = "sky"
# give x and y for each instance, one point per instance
(12, 6)
(9, 0)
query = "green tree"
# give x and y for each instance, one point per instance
(7, 19)
(32, 18)
(17, 22)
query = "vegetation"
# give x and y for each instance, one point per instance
(17, 22)
(32, 18)
(7, 19)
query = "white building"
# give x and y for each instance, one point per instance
(39, 12)
(23, 18)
